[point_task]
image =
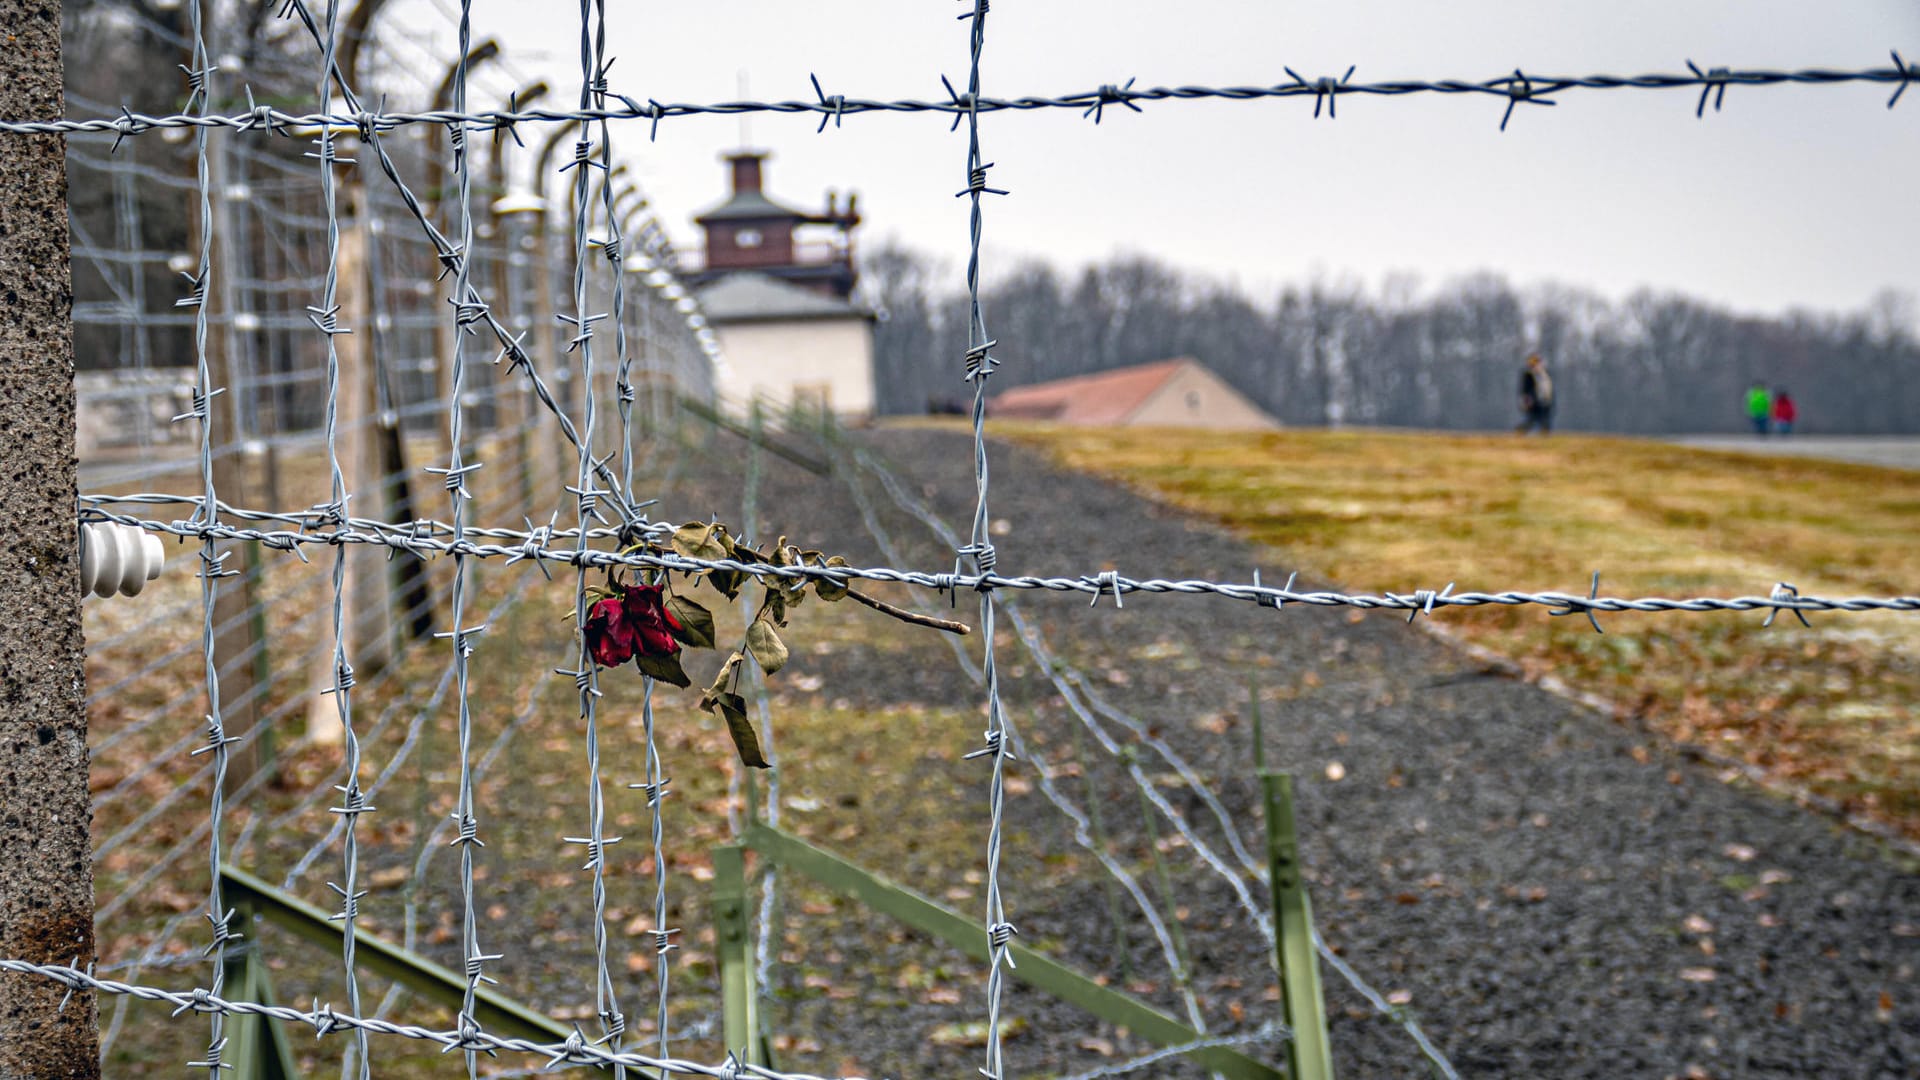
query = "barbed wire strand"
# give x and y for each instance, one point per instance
(1505, 89)
(592, 76)
(218, 915)
(575, 1050)
(466, 307)
(352, 804)
(979, 365)
(424, 539)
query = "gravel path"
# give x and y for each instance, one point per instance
(1553, 894)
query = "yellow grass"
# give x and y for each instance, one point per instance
(1830, 709)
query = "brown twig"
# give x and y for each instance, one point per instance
(881, 606)
(915, 618)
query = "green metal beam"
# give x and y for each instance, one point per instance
(261, 1050)
(733, 946)
(1035, 969)
(1309, 1053)
(495, 1012)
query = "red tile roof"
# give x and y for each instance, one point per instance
(1106, 397)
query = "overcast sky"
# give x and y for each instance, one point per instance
(1791, 196)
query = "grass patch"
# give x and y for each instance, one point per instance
(1831, 708)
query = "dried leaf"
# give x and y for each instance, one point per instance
(733, 709)
(665, 668)
(831, 590)
(775, 605)
(696, 622)
(697, 540)
(728, 582)
(734, 660)
(767, 648)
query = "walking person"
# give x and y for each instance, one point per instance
(1784, 412)
(1536, 397)
(1760, 408)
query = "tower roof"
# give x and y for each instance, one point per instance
(749, 205)
(748, 202)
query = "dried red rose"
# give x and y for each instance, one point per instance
(634, 623)
(653, 625)
(611, 639)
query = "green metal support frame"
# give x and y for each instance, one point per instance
(494, 1011)
(1035, 969)
(263, 1047)
(1309, 1053)
(733, 945)
(260, 1046)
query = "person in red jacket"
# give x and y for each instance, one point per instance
(1784, 413)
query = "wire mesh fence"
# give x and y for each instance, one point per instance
(344, 322)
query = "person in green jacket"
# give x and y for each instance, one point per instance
(1760, 408)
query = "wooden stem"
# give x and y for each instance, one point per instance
(915, 618)
(885, 608)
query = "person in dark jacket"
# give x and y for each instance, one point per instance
(1536, 396)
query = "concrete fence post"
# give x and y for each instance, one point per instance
(46, 856)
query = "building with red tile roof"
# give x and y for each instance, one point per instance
(1181, 392)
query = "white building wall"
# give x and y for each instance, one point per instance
(1196, 397)
(819, 361)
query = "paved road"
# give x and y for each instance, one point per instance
(1892, 451)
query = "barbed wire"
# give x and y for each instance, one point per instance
(1517, 88)
(428, 538)
(979, 364)
(471, 1038)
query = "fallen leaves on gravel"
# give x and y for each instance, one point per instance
(974, 1032)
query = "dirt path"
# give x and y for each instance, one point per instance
(1553, 895)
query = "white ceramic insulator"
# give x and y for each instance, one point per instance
(117, 558)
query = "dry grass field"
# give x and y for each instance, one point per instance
(1829, 710)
